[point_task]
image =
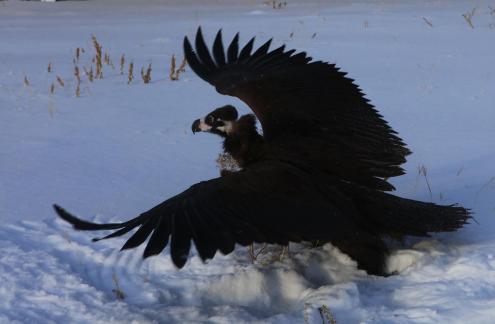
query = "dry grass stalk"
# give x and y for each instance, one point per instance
(78, 53)
(108, 61)
(98, 58)
(175, 73)
(60, 81)
(428, 22)
(276, 4)
(49, 68)
(117, 291)
(91, 74)
(26, 81)
(326, 314)
(182, 67)
(122, 63)
(172, 68)
(130, 75)
(424, 172)
(78, 89)
(146, 76)
(468, 16)
(483, 187)
(77, 74)
(52, 88)
(172, 63)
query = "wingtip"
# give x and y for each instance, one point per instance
(187, 47)
(180, 261)
(218, 38)
(199, 33)
(62, 213)
(246, 50)
(56, 207)
(233, 49)
(236, 37)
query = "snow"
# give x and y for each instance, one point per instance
(119, 149)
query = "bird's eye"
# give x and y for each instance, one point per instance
(210, 120)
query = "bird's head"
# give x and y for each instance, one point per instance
(220, 121)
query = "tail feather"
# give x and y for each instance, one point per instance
(391, 215)
(394, 215)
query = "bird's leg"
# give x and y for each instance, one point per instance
(253, 255)
(251, 252)
(285, 251)
(263, 248)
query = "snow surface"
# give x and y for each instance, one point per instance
(119, 149)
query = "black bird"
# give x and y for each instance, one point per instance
(318, 171)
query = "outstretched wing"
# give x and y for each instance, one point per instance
(294, 96)
(256, 205)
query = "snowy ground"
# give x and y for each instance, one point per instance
(119, 149)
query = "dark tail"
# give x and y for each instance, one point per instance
(400, 216)
(83, 225)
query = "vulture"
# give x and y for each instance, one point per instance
(318, 170)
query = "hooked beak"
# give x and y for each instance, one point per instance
(195, 126)
(199, 125)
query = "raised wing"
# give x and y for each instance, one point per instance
(271, 202)
(293, 96)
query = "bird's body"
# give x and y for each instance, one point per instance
(318, 171)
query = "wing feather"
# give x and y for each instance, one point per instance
(254, 205)
(233, 50)
(180, 243)
(193, 61)
(141, 234)
(203, 52)
(218, 51)
(246, 51)
(259, 54)
(159, 239)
